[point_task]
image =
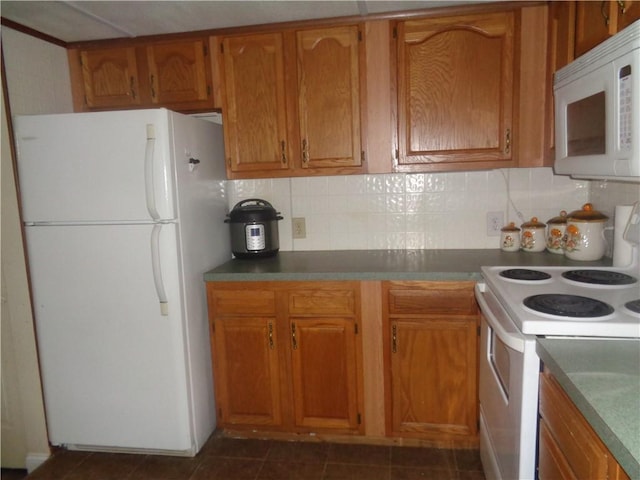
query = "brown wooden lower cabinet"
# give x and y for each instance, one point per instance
(288, 359)
(568, 446)
(287, 355)
(431, 359)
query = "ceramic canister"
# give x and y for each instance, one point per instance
(555, 233)
(584, 236)
(510, 238)
(533, 238)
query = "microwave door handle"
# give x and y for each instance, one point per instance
(150, 193)
(514, 341)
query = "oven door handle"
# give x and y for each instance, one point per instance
(514, 340)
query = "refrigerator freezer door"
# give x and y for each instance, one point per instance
(113, 367)
(90, 167)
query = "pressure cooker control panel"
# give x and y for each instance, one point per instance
(255, 237)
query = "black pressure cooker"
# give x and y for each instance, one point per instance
(254, 229)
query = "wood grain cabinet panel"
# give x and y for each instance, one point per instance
(178, 73)
(110, 77)
(253, 103)
(597, 21)
(431, 373)
(455, 92)
(295, 367)
(324, 373)
(292, 102)
(247, 371)
(173, 74)
(569, 447)
(328, 71)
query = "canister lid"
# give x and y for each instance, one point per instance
(510, 228)
(560, 219)
(533, 223)
(587, 214)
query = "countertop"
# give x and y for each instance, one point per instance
(602, 378)
(455, 265)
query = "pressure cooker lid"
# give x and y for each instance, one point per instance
(252, 210)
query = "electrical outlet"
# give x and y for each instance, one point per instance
(299, 228)
(495, 222)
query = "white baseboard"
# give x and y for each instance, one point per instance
(34, 460)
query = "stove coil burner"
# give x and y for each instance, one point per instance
(568, 305)
(524, 274)
(633, 305)
(599, 277)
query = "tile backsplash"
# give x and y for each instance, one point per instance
(410, 211)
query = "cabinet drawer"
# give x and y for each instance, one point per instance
(322, 302)
(437, 299)
(242, 302)
(583, 450)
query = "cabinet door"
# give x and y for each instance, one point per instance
(324, 369)
(247, 371)
(433, 375)
(110, 77)
(455, 92)
(595, 22)
(179, 74)
(628, 12)
(254, 104)
(328, 73)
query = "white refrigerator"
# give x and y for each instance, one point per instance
(123, 212)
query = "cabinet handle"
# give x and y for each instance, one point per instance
(507, 147)
(603, 11)
(623, 7)
(284, 152)
(294, 341)
(271, 335)
(394, 339)
(305, 151)
(153, 90)
(133, 90)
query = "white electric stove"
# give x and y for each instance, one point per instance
(568, 301)
(520, 303)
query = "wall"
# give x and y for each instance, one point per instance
(413, 211)
(38, 82)
(606, 195)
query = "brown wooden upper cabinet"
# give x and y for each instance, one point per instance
(455, 92)
(174, 74)
(597, 21)
(292, 102)
(110, 77)
(179, 73)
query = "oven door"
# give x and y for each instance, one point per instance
(509, 368)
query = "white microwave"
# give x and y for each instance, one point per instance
(597, 111)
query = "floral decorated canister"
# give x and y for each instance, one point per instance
(510, 238)
(584, 235)
(532, 238)
(555, 233)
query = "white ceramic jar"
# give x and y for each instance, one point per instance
(584, 236)
(510, 238)
(533, 237)
(556, 227)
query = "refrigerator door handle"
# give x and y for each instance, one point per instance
(148, 172)
(157, 271)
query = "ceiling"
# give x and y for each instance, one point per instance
(74, 21)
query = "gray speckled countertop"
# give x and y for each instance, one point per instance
(602, 377)
(381, 265)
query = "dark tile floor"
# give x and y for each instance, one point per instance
(249, 459)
